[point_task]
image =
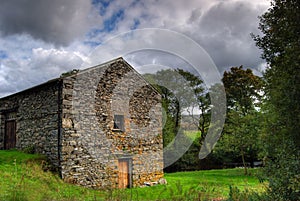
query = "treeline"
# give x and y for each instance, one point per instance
(185, 93)
(263, 113)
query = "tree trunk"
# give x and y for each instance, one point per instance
(177, 117)
(244, 163)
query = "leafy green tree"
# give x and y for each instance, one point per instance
(243, 91)
(201, 102)
(242, 88)
(182, 92)
(176, 96)
(171, 116)
(280, 43)
(240, 137)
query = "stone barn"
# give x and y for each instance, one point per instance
(100, 127)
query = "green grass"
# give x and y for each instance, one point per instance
(192, 134)
(23, 177)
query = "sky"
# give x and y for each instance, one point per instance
(41, 39)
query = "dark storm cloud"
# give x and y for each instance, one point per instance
(224, 32)
(54, 21)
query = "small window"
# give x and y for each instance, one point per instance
(119, 123)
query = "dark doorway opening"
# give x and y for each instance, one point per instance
(10, 134)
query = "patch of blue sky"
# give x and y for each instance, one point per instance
(92, 43)
(102, 5)
(94, 32)
(135, 24)
(105, 3)
(3, 54)
(111, 23)
(108, 25)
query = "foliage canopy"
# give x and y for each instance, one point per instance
(280, 43)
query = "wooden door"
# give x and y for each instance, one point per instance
(124, 173)
(10, 134)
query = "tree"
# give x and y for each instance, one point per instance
(201, 103)
(177, 95)
(171, 110)
(172, 114)
(240, 137)
(181, 92)
(242, 88)
(243, 91)
(280, 43)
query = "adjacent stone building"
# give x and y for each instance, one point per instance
(100, 127)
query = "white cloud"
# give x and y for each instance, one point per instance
(34, 52)
(222, 28)
(44, 64)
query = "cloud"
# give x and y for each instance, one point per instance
(45, 64)
(164, 45)
(41, 39)
(222, 28)
(55, 21)
(224, 32)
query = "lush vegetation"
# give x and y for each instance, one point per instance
(280, 41)
(263, 113)
(26, 177)
(183, 91)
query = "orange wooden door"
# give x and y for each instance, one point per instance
(10, 134)
(124, 173)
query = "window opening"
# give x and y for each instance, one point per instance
(119, 122)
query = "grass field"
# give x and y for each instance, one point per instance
(22, 178)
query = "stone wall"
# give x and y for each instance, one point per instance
(91, 148)
(71, 121)
(37, 117)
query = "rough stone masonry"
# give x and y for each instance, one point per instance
(100, 127)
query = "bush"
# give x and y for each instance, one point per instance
(284, 177)
(237, 195)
